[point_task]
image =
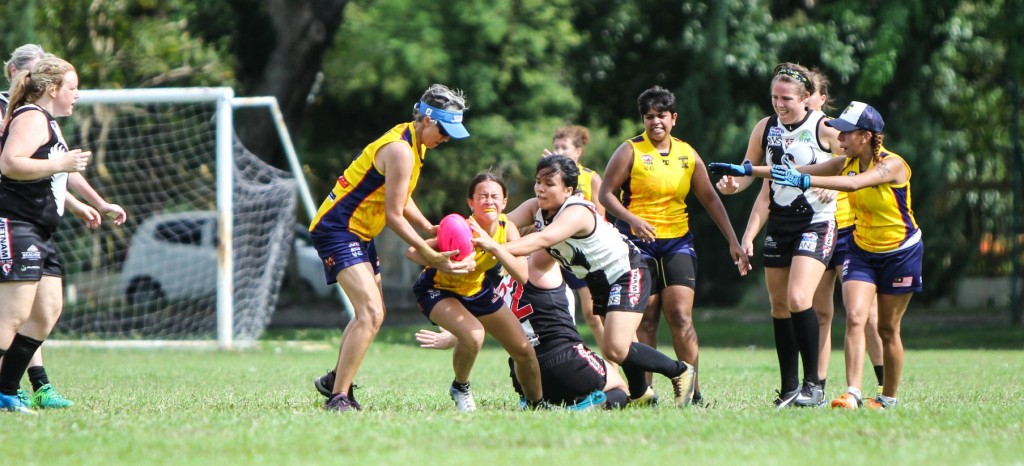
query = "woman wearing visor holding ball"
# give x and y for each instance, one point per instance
(885, 257)
(375, 190)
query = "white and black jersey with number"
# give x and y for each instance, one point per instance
(800, 143)
(40, 202)
(547, 315)
(602, 256)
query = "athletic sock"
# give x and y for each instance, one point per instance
(636, 379)
(879, 374)
(37, 375)
(789, 356)
(853, 390)
(649, 359)
(805, 328)
(822, 383)
(15, 362)
(616, 399)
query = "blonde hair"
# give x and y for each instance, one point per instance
(30, 86)
(21, 57)
(579, 135)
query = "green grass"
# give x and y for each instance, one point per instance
(258, 407)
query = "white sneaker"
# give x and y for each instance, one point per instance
(463, 398)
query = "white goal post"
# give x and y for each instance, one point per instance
(154, 151)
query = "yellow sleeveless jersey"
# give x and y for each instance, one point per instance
(585, 182)
(471, 283)
(844, 215)
(356, 203)
(884, 217)
(658, 184)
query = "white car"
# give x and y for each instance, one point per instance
(175, 255)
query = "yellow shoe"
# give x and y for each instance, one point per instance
(648, 399)
(847, 401)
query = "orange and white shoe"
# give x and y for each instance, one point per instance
(847, 401)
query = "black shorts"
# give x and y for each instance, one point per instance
(815, 240)
(673, 269)
(568, 373)
(629, 293)
(26, 252)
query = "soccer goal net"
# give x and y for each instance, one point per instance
(209, 227)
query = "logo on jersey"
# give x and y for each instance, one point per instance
(592, 360)
(5, 267)
(830, 236)
(808, 242)
(685, 161)
(31, 254)
(647, 159)
(787, 143)
(774, 136)
(329, 262)
(769, 242)
(343, 182)
(805, 138)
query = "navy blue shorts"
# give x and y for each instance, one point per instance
(340, 250)
(844, 237)
(26, 252)
(484, 302)
(897, 272)
(572, 281)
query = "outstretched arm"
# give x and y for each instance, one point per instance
(707, 196)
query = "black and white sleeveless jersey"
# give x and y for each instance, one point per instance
(801, 144)
(40, 202)
(547, 315)
(5, 101)
(603, 255)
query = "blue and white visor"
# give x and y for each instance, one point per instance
(451, 121)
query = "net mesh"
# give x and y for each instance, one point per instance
(155, 277)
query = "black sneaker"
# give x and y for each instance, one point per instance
(325, 383)
(785, 400)
(811, 396)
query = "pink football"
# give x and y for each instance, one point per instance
(454, 233)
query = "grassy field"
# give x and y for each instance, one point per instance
(258, 407)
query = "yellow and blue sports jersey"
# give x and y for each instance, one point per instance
(844, 215)
(356, 203)
(658, 184)
(470, 284)
(884, 217)
(585, 182)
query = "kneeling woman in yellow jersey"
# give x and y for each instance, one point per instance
(885, 257)
(376, 189)
(467, 306)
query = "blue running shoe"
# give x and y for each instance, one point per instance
(13, 403)
(26, 399)
(594, 400)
